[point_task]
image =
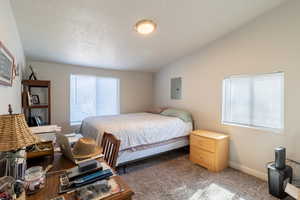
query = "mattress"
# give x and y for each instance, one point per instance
(129, 155)
(136, 129)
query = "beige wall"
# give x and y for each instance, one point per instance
(10, 37)
(135, 88)
(270, 43)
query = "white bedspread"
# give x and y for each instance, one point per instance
(136, 129)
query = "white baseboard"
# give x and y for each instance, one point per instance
(248, 170)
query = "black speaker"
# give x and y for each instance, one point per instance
(277, 180)
(280, 157)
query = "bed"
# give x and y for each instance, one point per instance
(141, 134)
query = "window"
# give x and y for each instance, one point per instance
(93, 96)
(254, 101)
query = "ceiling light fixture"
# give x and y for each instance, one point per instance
(145, 27)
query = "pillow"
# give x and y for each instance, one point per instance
(157, 110)
(183, 115)
(154, 110)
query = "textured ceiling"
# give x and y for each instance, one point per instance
(99, 33)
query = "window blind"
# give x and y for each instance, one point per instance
(93, 96)
(254, 101)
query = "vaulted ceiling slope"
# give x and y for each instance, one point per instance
(100, 33)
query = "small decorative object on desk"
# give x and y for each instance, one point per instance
(9, 109)
(98, 190)
(6, 187)
(40, 149)
(34, 179)
(11, 189)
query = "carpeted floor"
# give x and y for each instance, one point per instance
(172, 176)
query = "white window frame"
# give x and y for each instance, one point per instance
(102, 77)
(252, 126)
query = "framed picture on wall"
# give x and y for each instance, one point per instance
(6, 66)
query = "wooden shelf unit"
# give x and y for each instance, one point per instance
(28, 85)
(36, 106)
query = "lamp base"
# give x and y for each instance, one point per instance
(22, 196)
(15, 160)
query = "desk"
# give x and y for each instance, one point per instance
(60, 163)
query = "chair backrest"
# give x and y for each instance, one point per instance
(110, 145)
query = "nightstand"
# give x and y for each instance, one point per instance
(209, 149)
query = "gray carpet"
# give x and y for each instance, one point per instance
(172, 176)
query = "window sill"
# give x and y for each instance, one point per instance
(272, 130)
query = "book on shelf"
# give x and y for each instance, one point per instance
(29, 101)
(26, 98)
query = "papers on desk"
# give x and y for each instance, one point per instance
(45, 129)
(47, 137)
(46, 133)
(72, 137)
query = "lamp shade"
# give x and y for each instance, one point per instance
(14, 133)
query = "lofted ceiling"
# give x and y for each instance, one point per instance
(100, 33)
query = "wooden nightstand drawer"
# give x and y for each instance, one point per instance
(201, 157)
(203, 143)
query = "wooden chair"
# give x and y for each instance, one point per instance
(110, 145)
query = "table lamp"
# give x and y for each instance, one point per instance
(14, 132)
(14, 136)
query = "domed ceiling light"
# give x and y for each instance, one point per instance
(145, 27)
